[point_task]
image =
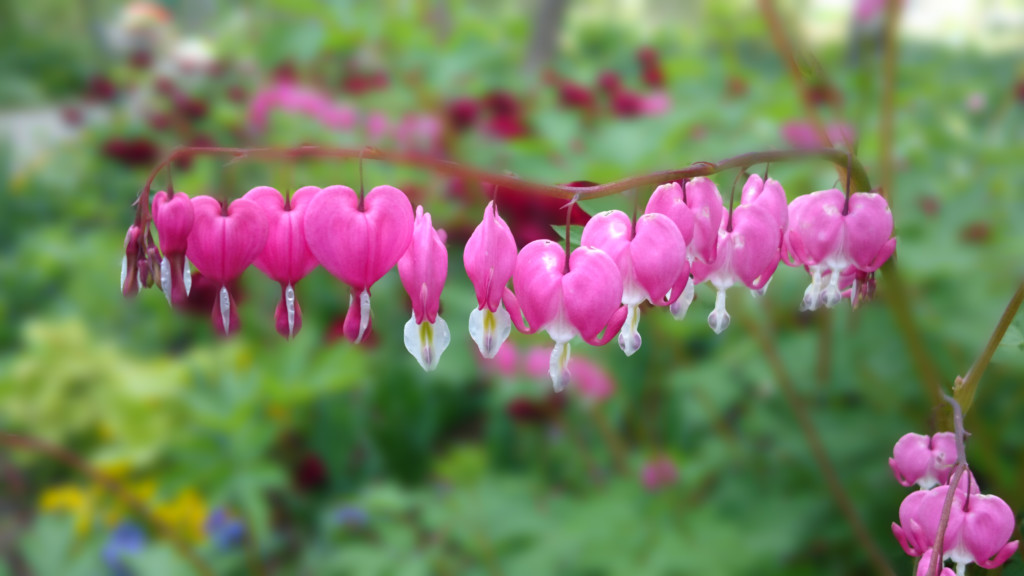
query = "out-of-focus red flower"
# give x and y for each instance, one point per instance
(285, 72)
(310, 473)
(357, 82)
(650, 68)
(609, 82)
(166, 86)
(191, 108)
(1019, 90)
(501, 103)
(184, 160)
(573, 95)
(528, 410)
(131, 151)
(531, 216)
(821, 93)
(929, 205)
(735, 87)
(462, 113)
(100, 88)
(72, 115)
(627, 104)
(976, 233)
(508, 127)
(236, 93)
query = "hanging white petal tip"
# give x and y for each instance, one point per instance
(289, 304)
(427, 341)
(364, 314)
(719, 318)
(489, 330)
(680, 306)
(559, 366)
(629, 337)
(187, 278)
(225, 309)
(124, 271)
(165, 278)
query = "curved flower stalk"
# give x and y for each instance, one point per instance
(652, 263)
(358, 241)
(173, 217)
(581, 300)
(748, 253)
(696, 210)
(490, 258)
(223, 245)
(423, 270)
(285, 258)
(924, 460)
(770, 196)
(829, 236)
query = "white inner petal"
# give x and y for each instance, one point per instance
(364, 314)
(812, 295)
(489, 329)
(559, 365)
(680, 306)
(629, 336)
(719, 317)
(289, 304)
(124, 271)
(426, 342)
(225, 309)
(761, 291)
(187, 277)
(832, 295)
(165, 278)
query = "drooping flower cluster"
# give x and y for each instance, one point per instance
(979, 526)
(685, 237)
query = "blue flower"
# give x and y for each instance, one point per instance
(350, 517)
(225, 530)
(125, 540)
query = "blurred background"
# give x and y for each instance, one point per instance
(256, 455)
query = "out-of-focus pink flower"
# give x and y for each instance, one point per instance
(462, 113)
(659, 473)
(655, 103)
(650, 68)
(505, 361)
(378, 126)
(590, 379)
(802, 134)
(420, 132)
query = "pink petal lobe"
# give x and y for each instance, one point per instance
(490, 258)
(537, 280)
(658, 253)
(423, 268)
(173, 218)
(592, 291)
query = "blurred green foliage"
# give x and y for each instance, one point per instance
(439, 475)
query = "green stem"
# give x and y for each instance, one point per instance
(966, 387)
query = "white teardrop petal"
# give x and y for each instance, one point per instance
(559, 366)
(427, 341)
(719, 318)
(289, 304)
(490, 329)
(680, 306)
(165, 278)
(187, 277)
(629, 336)
(124, 271)
(364, 314)
(225, 309)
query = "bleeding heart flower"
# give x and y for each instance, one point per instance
(423, 270)
(924, 460)
(173, 217)
(748, 252)
(770, 196)
(651, 263)
(490, 258)
(696, 209)
(583, 300)
(130, 262)
(828, 236)
(978, 531)
(358, 242)
(285, 257)
(222, 247)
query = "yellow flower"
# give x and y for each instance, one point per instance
(70, 499)
(184, 515)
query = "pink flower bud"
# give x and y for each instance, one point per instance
(285, 258)
(924, 460)
(423, 270)
(173, 217)
(490, 258)
(130, 262)
(223, 246)
(652, 263)
(358, 242)
(583, 301)
(658, 474)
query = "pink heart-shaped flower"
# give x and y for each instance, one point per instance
(223, 246)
